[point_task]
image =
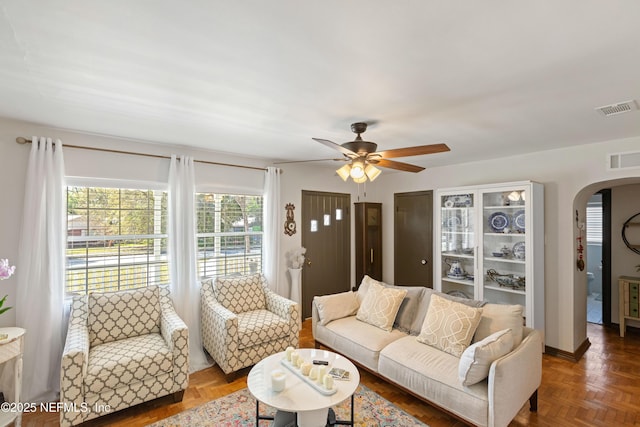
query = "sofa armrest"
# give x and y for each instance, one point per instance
(176, 334)
(514, 378)
(219, 331)
(73, 370)
(287, 309)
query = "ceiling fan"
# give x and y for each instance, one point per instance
(364, 158)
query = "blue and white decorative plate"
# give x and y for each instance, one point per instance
(518, 221)
(498, 221)
(453, 221)
(518, 250)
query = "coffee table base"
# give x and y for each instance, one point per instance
(290, 419)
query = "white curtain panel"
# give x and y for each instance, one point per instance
(40, 294)
(185, 287)
(272, 227)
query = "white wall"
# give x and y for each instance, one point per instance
(569, 175)
(564, 173)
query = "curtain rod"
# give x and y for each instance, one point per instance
(23, 140)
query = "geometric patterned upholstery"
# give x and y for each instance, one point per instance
(240, 293)
(122, 315)
(236, 340)
(260, 326)
(123, 348)
(117, 363)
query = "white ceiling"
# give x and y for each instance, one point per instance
(260, 78)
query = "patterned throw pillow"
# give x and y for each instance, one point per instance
(241, 293)
(380, 306)
(449, 325)
(476, 360)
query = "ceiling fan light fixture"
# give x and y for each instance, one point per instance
(372, 172)
(343, 172)
(361, 180)
(357, 169)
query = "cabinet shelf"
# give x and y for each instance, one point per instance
(503, 289)
(504, 207)
(508, 260)
(506, 234)
(458, 281)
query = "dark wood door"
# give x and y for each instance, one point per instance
(413, 238)
(326, 233)
(368, 222)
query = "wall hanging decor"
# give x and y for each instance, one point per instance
(290, 223)
(632, 223)
(580, 248)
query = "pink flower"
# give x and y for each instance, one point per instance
(6, 270)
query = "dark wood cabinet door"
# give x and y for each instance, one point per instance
(368, 223)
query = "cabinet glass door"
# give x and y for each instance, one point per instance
(504, 248)
(458, 243)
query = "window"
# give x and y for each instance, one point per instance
(229, 234)
(116, 239)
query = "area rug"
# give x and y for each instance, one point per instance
(239, 409)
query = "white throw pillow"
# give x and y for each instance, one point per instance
(380, 306)
(477, 358)
(449, 325)
(336, 306)
(496, 317)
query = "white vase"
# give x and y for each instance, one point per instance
(296, 290)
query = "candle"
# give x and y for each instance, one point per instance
(305, 368)
(328, 382)
(288, 352)
(313, 373)
(300, 361)
(294, 358)
(321, 371)
(278, 378)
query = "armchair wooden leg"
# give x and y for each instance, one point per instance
(178, 395)
(231, 376)
(533, 402)
(316, 344)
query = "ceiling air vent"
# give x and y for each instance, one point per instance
(619, 108)
(630, 159)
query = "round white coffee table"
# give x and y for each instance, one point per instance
(311, 406)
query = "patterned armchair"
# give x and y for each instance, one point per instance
(243, 321)
(123, 348)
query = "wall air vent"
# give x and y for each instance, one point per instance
(628, 160)
(619, 108)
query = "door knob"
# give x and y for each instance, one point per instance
(308, 262)
(423, 262)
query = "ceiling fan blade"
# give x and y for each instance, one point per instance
(412, 151)
(306, 161)
(335, 146)
(392, 164)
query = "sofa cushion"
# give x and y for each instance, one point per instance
(356, 340)
(449, 325)
(336, 306)
(477, 358)
(380, 306)
(416, 325)
(240, 293)
(260, 326)
(114, 316)
(433, 374)
(497, 317)
(127, 361)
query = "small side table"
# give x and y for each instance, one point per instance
(10, 348)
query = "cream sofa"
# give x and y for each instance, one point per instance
(429, 373)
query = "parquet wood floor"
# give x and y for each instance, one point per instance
(602, 389)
